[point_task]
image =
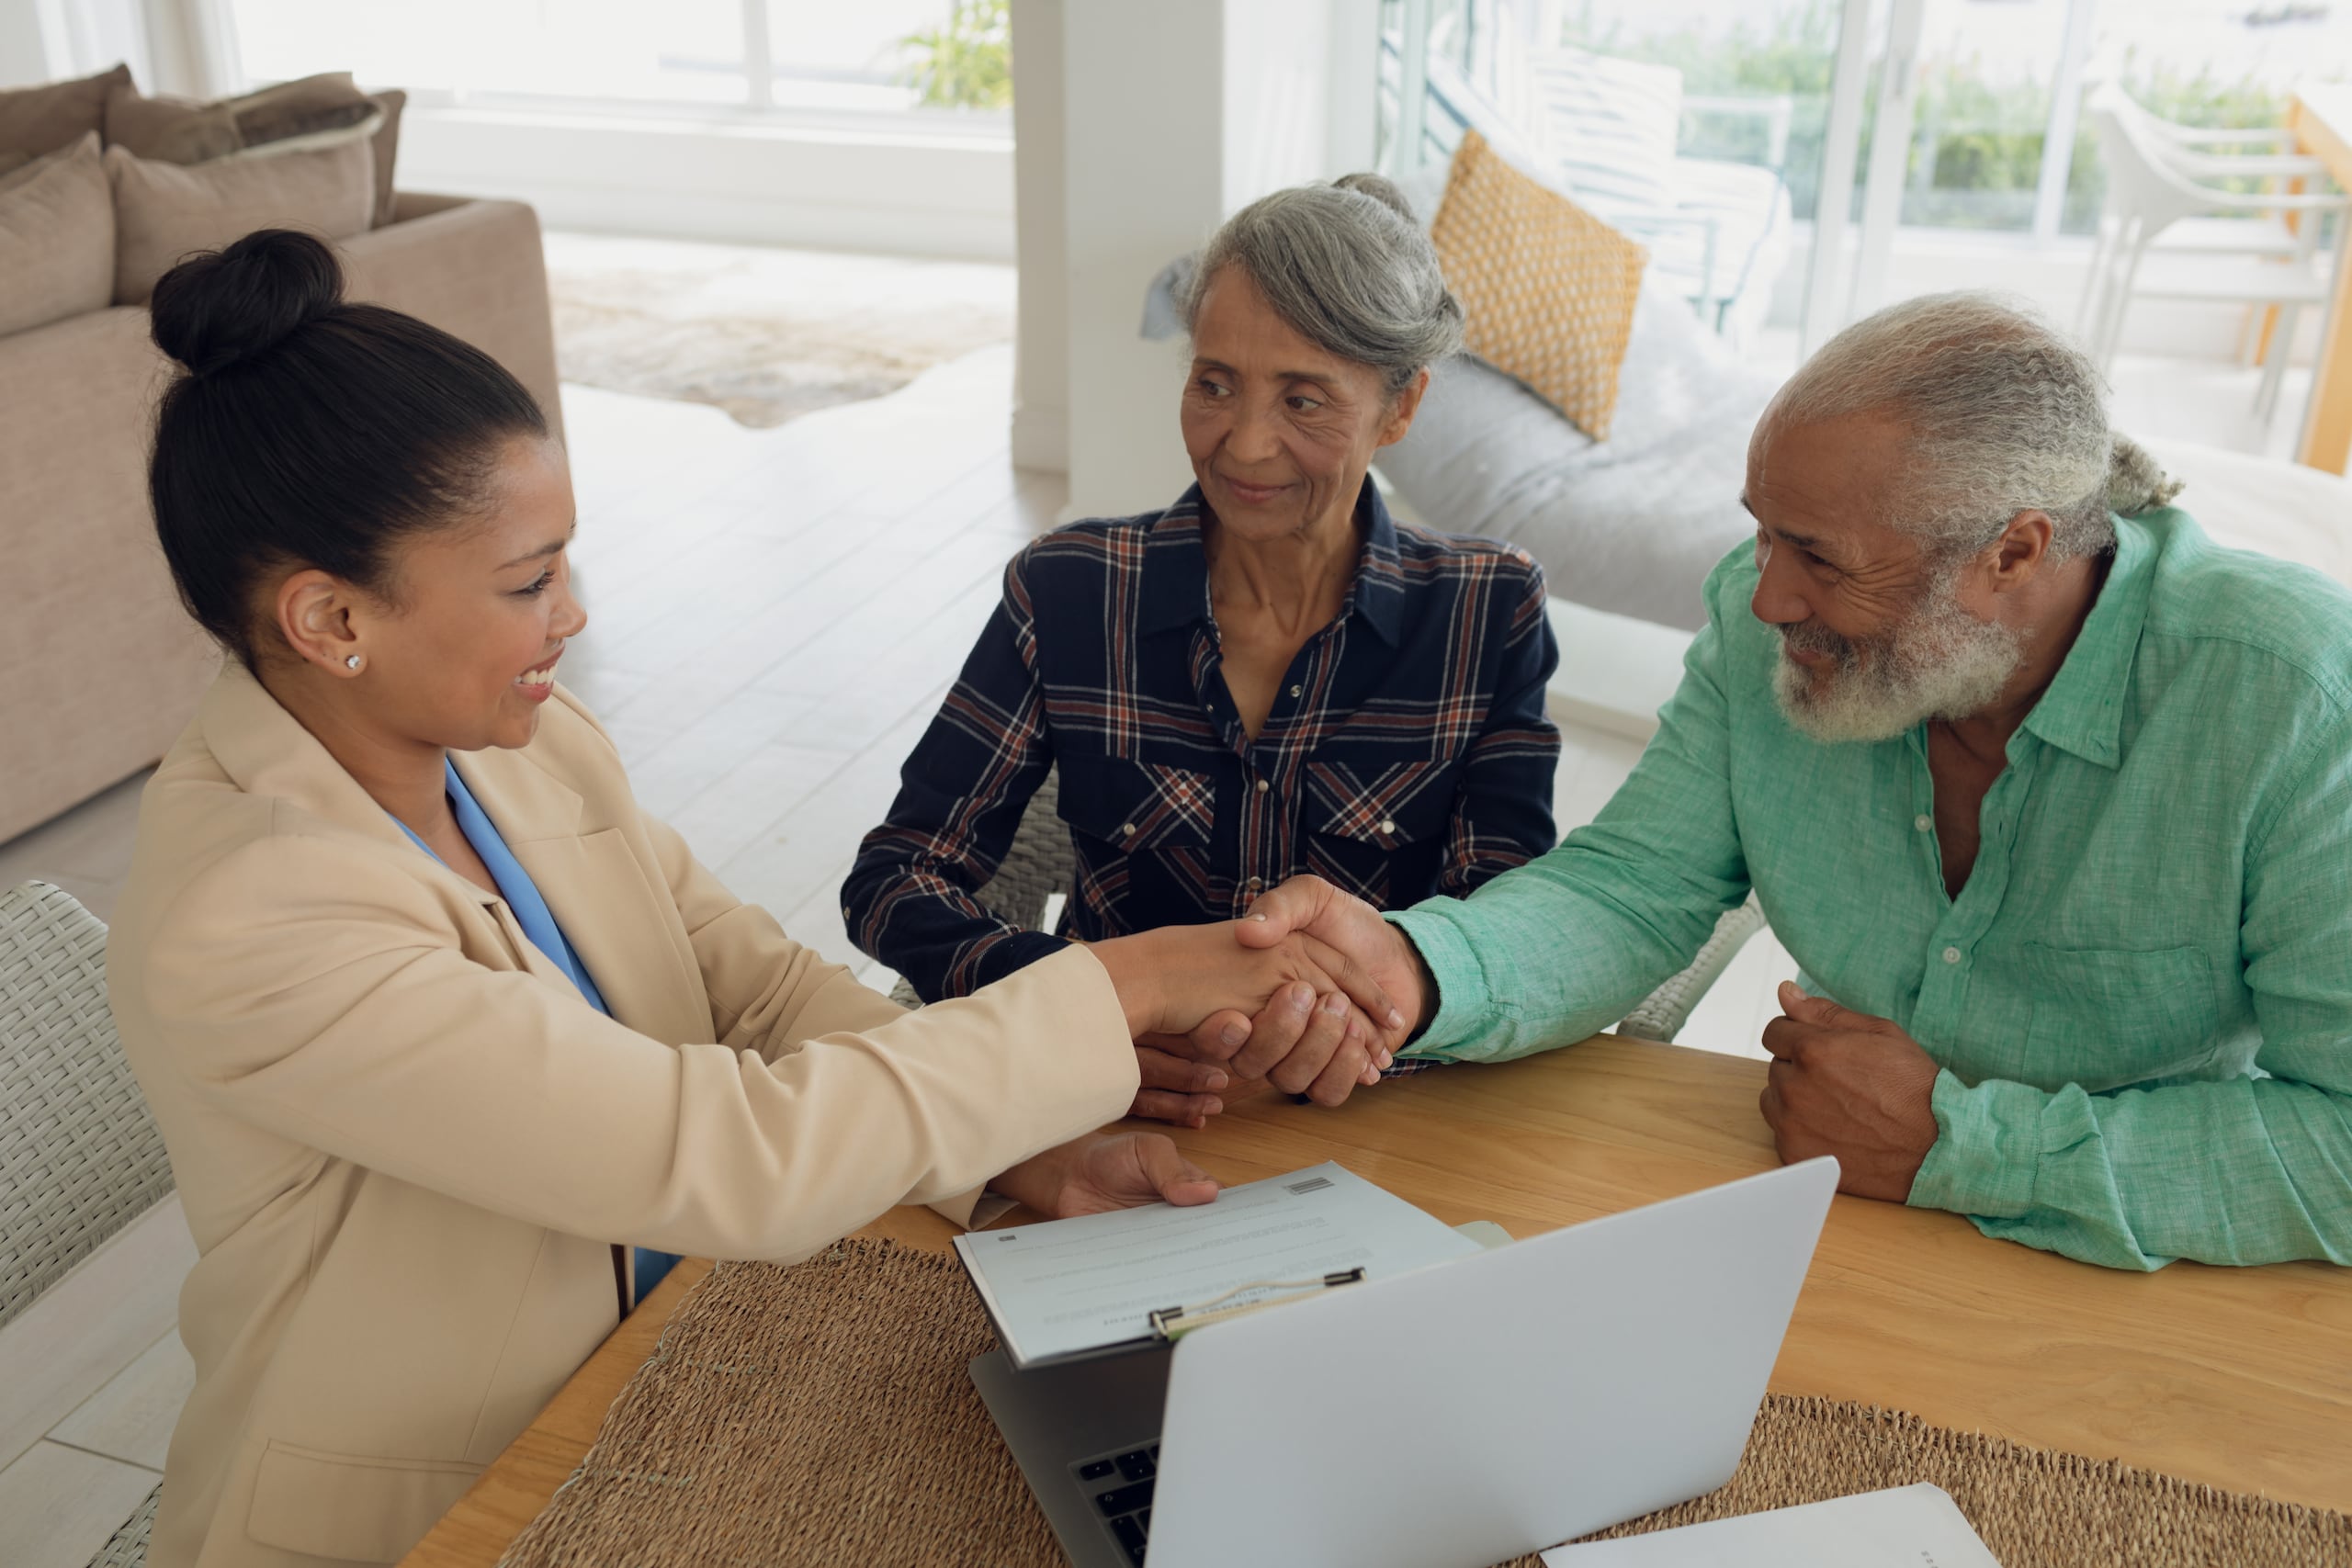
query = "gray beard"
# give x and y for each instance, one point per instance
(1940, 662)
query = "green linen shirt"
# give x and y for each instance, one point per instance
(2142, 1000)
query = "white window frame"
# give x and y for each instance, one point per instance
(213, 25)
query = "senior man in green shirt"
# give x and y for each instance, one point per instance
(2049, 796)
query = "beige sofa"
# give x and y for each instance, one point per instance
(99, 666)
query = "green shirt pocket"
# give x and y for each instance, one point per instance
(2105, 1017)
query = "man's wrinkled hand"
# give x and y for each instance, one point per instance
(1340, 921)
(1858, 1088)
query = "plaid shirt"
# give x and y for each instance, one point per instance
(1408, 752)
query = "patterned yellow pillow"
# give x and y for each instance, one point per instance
(1547, 288)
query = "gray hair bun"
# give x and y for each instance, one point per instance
(1381, 189)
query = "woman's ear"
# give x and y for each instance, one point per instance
(313, 615)
(1401, 409)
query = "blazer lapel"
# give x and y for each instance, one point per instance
(625, 930)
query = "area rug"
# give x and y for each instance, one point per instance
(766, 334)
(821, 1413)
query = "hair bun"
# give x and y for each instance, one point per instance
(224, 306)
(1381, 189)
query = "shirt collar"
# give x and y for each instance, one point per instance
(1176, 570)
(2082, 711)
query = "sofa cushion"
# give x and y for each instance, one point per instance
(315, 111)
(386, 147)
(1547, 289)
(164, 211)
(56, 237)
(40, 119)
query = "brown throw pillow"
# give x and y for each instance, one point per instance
(56, 238)
(311, 112)
(1547, 289)
(164, 211)
(387, 147)
(35, 121)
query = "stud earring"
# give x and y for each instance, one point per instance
(351, 662)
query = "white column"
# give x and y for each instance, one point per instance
(1176, 113)
(1041, 352)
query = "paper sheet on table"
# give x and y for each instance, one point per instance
(1066, 1288)
(1905, 1526)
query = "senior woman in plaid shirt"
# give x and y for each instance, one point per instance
(1272, 676)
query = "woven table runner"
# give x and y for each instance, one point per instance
(822, 1414)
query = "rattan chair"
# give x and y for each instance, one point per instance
(1041, 864)
(80, 1156)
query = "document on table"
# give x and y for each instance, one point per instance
(1905, 1526)
(1065, 1289)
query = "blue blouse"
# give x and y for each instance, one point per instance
(531, 912)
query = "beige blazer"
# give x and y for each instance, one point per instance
(408, 1149)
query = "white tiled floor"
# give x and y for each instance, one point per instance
(775, 615)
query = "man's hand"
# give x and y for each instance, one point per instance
(1845, 1084)
(1106, 1170)
(1176, 979)
(1340, 921)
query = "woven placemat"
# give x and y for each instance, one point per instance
(822, 1414)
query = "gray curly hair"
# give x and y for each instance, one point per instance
(1346, 267)
(2006, 414)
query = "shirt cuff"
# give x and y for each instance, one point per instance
(1462, 998)
(1987, 1150)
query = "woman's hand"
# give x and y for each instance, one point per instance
(1176, 1088)
(1106, 1170)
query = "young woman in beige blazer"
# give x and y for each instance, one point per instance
(437, 1023)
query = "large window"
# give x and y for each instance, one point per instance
(948, 60)
(1997, 142)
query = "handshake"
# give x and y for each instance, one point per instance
(1312, 991)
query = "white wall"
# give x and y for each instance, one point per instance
(1040, 126)
(24, 47)
(913, 193)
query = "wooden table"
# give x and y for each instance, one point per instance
(2321, 118)
(2239, 1377)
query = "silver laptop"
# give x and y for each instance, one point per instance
(1461, 1414)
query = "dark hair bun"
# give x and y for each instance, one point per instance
(224, 306)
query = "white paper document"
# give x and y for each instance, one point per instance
(1069, 1287)
(1905, 1526)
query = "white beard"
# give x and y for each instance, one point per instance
(1940, 662)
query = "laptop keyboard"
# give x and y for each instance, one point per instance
(1119, 1485)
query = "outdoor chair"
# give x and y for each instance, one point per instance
(2165, 235)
